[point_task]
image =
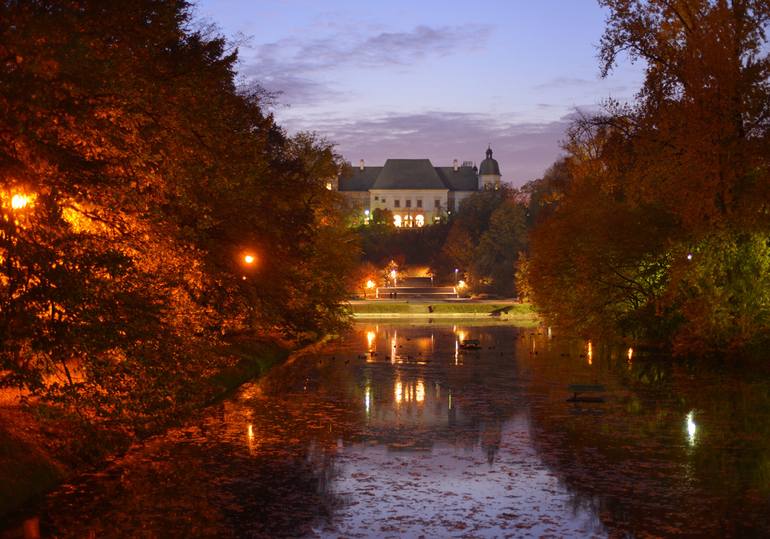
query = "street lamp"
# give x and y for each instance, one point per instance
(369, 286)
(249, 261)
(456, 270)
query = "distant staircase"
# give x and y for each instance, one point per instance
(416, 288)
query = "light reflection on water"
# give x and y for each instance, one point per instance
(429, 439)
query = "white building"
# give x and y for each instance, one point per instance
(414, 190)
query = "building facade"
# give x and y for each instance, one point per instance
(416, 192)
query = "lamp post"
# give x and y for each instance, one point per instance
(249, 261)
(456, 270)
(369, 286)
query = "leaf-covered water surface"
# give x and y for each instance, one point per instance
(396, 431)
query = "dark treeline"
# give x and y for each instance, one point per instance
(136, 177)
(656, 224)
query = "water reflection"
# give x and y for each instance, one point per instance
(692, 428)
(433, 440)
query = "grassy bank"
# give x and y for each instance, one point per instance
(39, 448)
(465, 309)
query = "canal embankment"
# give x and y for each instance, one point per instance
(509, 310)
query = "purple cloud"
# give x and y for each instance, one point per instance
(523, 149)
(296, 68)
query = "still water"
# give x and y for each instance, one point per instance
(395, 431)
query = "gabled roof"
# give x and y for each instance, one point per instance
(408, 174)
(361, 180)
(462, 179)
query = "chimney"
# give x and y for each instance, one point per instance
(455, 165)
(361, 164)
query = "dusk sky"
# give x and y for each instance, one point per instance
(428, 79)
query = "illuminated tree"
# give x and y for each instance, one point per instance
(149, 174)
(664, 219)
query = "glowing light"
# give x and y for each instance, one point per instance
(397, 221)
(370, 284)
(399, 392)
(250, 438)
(329, 185)
(692, 428)
(461, 284)
(419, 220)
(368, 400)
(19, 201)
(370, 336)
(249, 259)
(419, 392)
(366, 212)
(630, 354)
(689, 256)
(461, 335)
(590, 353)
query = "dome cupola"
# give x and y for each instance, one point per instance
(489, 165)
(489, 172)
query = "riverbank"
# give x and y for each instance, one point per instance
(420, 309)
(39, 449)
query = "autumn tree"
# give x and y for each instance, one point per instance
(487, 233)
(136, 175)
(688, 160)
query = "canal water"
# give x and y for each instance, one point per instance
(396, 431)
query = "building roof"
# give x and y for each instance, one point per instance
(361, 180)
(417, 174)
(408, 174)
(489, 165)
(462, 179)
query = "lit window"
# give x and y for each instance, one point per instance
(408, 202)
(396, 203)
(419, 203)
(419, 220)
(397, 220)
